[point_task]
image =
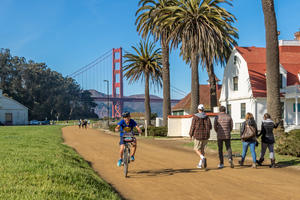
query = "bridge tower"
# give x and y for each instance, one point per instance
(117, 83)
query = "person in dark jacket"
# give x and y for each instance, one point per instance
(200, 132)
(267, 139)
(249, 121)
(223, 126)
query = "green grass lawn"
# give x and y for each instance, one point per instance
(34, 164)
(236, 146)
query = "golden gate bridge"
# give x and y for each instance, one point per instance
(95, 77)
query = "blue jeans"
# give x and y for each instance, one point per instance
(252, 149)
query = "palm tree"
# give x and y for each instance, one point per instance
(272, 51)
(144, 64)
(147, 23)
(204, 30)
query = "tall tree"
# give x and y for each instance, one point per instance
(272, 58)
(199, 26)
(144, 64)
(147, 23)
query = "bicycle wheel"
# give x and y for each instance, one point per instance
(125, 161)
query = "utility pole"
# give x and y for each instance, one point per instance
(107, 82)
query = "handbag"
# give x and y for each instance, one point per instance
(249, 132)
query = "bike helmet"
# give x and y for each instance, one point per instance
(126, 114)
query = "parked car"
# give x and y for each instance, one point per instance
(34, 122)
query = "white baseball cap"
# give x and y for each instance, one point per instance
(200, 107)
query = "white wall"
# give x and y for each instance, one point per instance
(180, 126)
(236, 110)
(239, 69)
(290, 114)
(19, 112)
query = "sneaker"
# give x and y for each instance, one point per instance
(241, 162)
(132, 158)
(204, 163)
(254, 165)
(259, 162)
(199, 166)
(220, 166)
(231, 163)
(119, 163)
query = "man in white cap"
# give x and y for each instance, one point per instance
(200, 132)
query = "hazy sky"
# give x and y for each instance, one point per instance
(68, 34)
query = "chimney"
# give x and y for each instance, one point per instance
(297, 35)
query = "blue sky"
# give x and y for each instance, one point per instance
(68, 34)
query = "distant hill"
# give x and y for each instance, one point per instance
(101, 109)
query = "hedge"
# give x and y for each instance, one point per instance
(289, 143)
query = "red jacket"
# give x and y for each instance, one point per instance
(200, 127)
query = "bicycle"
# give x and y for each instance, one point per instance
(128, 139)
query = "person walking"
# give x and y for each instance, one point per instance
(267, 139)
(223, 126)
(200, 132)
(249, 125)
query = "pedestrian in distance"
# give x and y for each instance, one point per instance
(267, 139)
(84, 124)
(200, 133)
(79, 123)
(249, 125)
(126, 125)
(223, 126)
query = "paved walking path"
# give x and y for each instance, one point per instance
(165, 170)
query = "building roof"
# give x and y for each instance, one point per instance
(289, 58)
(185, 103)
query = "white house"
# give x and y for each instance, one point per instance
(12, 112)
(244, 83)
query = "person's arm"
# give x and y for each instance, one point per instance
(216, 124)
(262, 129)
(255, 126)
(277, 124)
(231, 124)
(138, 129)
(117, 128)
(242, 129)
(209, 124)
(191, 133)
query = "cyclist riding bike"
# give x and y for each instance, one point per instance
(126, 125)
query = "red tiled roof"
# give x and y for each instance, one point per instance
(185, 103)
(255, 57)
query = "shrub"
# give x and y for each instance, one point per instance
(157, 131)
(112, 127)
(289, 143)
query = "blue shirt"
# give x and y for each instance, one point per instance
(123, 124)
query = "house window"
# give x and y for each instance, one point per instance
(235, 83)
(229, 109)
(8, 118)
(280, 81)
(180, 112)
(234, 59)
(243, 110)
(294, 107)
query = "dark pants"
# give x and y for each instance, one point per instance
(228, 148)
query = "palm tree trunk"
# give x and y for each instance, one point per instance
(166, 82)
(212, 86)
(272, 51)
(195, 83)
(147, 100)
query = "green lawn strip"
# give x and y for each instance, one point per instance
(34, 164)
(236, 146)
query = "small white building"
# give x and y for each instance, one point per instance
(12, 112)
(244, 83)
